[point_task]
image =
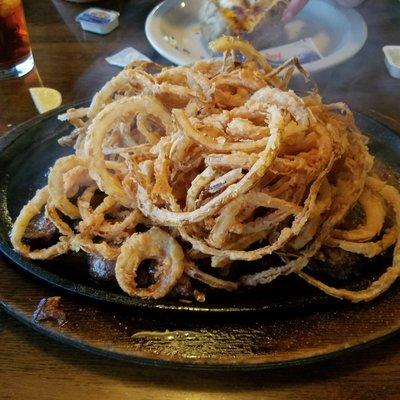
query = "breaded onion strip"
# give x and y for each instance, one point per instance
(368, 249)
(257, 171)
(94, 223)
(84, 200)
(226, 43)
(244, 129)
(285, 235)
(29, 211)
(225, 180)
(375, 289)
(56, 185)
(102, 249)
(257, 199)
(74, 178)
(141, 124)
(392, 196)
(195, 273)
(104, 96)
(311, 227)
(212, 143)
(117, 230)
(262, 223)
(371, 249)
(219, 233)
(271, 274)
(52, 214)
(253, 200)
(194, 80)
(73, 114)
(172, 96)
(286, 100)
(91, 223)
(241, 244)
(103, 123)
(154, 244)
(162, 189)
(234, 160)
(198, 184)
(375, 212)
(138, 149)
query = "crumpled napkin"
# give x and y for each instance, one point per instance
(126, 56)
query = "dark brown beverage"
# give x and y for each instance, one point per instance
(14, 39)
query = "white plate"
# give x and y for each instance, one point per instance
(173, 29)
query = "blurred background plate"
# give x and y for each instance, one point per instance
(173, 29)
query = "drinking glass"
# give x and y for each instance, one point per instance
(15, 50)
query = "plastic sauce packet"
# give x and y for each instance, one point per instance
(98, 20)
(125, 57)
(392, 60)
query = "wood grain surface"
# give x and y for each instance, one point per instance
(72, 61)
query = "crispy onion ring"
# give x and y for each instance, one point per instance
(56, 185)
(52, 214)
(154, 244)
(266, 157)
(104, 96)
(29, 211)
(375, 213)
(107, 182)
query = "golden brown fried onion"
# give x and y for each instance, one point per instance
(217, 161)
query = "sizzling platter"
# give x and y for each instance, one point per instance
(179, 172)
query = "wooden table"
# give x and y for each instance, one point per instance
(72, 61)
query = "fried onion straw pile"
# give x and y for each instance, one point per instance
(217, 161)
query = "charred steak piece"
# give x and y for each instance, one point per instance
(100, 269)
(40, 230)
(337, 263)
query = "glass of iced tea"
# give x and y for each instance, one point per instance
(15, 50)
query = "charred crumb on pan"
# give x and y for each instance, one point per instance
(199, 296)
(50, 309)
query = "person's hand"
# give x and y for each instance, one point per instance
(293, 8)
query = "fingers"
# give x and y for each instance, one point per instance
(293, 8)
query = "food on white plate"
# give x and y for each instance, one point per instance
(258, 21)
(179, 173)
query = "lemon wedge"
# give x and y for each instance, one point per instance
(45, 99)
